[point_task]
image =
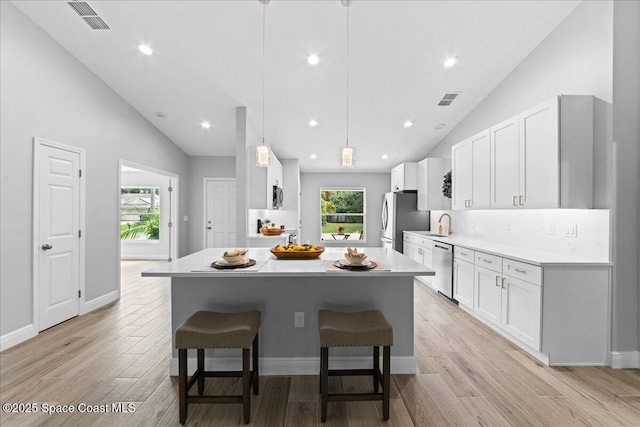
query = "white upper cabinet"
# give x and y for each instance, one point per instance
(262, 181)
(431, 174)
(404, 177)
(471, 174)
(541, 158)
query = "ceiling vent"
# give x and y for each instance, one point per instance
(448, 98)
(88, 15)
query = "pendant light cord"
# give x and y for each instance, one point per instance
(347, 76)
(264, 8)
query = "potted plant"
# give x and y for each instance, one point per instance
(341, 229)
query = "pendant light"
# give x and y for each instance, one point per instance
(263, 150)
(347, 156)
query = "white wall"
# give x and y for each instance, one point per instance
(200, 168)
(575, 59)
(376, 185)
(626, 133)
(148, 249)
(48, 93)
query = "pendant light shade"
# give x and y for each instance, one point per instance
(347, 157)
(263, 150)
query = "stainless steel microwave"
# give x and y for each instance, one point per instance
(278, 197)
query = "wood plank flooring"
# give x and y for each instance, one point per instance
(471, 376)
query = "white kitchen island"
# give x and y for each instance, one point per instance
(281, 288)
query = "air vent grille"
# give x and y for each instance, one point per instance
(82, 8)
(448, 99)
(88, 15)
(96, 23)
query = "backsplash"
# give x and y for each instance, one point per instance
(540, 229)
(281, 216)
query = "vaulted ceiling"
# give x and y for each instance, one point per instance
(207, 60)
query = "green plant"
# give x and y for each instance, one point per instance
(446, 185)
(149, 226)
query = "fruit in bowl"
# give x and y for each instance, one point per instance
(353, 257)
(234, 257)
(292, 251)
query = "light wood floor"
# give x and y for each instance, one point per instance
(471, 375)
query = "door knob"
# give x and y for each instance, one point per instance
(208, 228)
(46, 247)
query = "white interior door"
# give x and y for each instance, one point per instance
(58, 238)
(220, 213)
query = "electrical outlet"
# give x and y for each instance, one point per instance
(571, 231)
(298, 319)
(551, 230)
(507, 226)
(472, 224)
(185, 218)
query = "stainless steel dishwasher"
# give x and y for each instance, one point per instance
(443, 266)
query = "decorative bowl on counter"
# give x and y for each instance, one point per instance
(353, 257)
(271, 231)
(292, 251)
(235, 257)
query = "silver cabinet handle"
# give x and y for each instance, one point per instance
(520, 270)
(504, 283)
(462, 253)
(46, 247)
(515, 200)
(498, 281)
(470, 202)
(521, 200)
(487, 261)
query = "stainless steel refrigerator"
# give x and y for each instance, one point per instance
(399, 213)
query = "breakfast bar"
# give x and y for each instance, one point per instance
(288, 290)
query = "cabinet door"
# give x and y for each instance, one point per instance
(395, 179)
(407, 249)
(460, 175)
(521, 310)
(505, 164)
(540, 153)
(418, 254)
(463, 283)
(488, 294)
(481, 171)
(422, 185)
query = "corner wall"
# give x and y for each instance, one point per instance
(48, 93)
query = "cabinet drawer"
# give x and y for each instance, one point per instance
(425, 243)
(523, 271)
(407, 238)
(489, 261)
(463, 254)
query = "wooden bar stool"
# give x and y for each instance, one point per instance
(362, 329)
(206, 329)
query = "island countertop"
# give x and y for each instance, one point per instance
(198, 264)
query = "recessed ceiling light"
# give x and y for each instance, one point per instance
(145, 49)
(205, 125)
(313, 59)
(450, 62)
(408, 123)
(313, 156)
(440, 126)
(385, 156)
(313, 123)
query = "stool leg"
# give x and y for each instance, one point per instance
(246, 385)
(256, 376)
(182, 383)
(324, 380)
(200, 371)
(320, 373)
(386, 381)
(376, 368)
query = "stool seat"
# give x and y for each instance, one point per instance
(208, 329)
(361, 329)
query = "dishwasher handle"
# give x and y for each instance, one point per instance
(442, 247)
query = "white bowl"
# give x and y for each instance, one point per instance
(354, 260)
(234, 259)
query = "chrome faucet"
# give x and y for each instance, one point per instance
(450, 228)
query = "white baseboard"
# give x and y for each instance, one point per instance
(99, 302)
(295, 365)
(625, 359)
(16, 337)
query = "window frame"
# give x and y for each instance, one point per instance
(363, 214)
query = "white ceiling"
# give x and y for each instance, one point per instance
(208, 60)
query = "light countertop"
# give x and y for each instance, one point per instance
(267, 265)
(531, 256)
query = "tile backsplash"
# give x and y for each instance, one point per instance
(580, 232)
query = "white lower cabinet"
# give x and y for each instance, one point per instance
(488, 294)
(521, 310)
(463, 283)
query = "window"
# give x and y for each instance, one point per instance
(139, 213)
(342, 214)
